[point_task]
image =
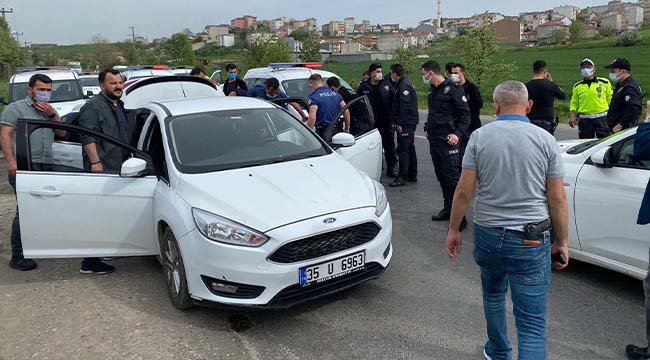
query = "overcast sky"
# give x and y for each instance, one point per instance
(75, 21)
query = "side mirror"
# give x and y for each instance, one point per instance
(343, 140)
(603, 157)
(89, 94)
(133, 167)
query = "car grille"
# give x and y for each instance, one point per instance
(325, 244)
(297, 294)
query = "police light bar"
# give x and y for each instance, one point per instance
(310, 65)
(160, 67)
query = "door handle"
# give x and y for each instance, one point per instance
(63, 157)
(47, 193)
(373, 146)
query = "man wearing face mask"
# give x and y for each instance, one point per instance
(590, 103)
(625, 108)
(473, 95)
(234, 86)
(405, 118)
(271, 90)
(380, 93)
(35, 106)
(447, 124)
(543, 92)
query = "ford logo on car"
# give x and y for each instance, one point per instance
(329, 220)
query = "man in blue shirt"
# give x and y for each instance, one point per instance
(324, 106)
(270, 90)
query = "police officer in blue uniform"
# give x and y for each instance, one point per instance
(380, 93)
(324, 106)
(270, 90)
(625, 107)
(447, 124)
(405, 119)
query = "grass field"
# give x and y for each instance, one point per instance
(4, 91)
(563, 65)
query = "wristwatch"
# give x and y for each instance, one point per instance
(52, 116)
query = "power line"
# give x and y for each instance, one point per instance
(132, 33)
(3, 11)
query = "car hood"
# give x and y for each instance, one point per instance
(270, 196)
(66, 107)
(567, 144)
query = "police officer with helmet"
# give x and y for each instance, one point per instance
(447, 124)
(405, 119)
(625, 108)
(590, 103)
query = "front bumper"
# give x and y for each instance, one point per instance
(278, 284)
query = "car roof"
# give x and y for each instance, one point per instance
(146, 72)
(52, 74)
(208, 104)
(287, 73)
(89, 76)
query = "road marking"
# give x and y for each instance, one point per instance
(421, 137)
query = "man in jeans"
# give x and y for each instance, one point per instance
(518, 169)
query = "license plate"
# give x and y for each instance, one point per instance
(332, 269)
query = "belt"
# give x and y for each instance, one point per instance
(592, 116)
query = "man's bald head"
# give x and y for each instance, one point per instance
(511, 97)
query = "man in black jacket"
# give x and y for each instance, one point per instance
(405, 119)
(625, 107)
(474, 100)
(234, 86)
(380, 93)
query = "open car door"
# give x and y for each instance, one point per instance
(293, 104)
(366, 153)
(67, 211)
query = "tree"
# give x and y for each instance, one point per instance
(478, 48)
(262, 53)
(104, 54)
(11, 54)
(605, 32)
(577, 31)
(178, 50)
(407, 58)
(311, 47)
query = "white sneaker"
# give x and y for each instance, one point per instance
(486, 355)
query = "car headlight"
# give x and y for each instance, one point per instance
(219, 229)
(380, 197)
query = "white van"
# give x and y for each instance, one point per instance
(67, 93)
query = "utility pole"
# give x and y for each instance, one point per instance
(132, 33)
(17, 35)
(3, 11)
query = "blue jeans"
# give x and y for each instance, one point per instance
(507, 261)
(16, 243)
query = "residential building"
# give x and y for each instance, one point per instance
(568, 11)
(390, 28)
(227, 40)
(408, 40)
(353, 48)
(633, 14)
(369, 42)
(294, 45)
(480, 20)
(532, 20)
(389, 43)
(251, 22)
(646, 10)
(256, 38)
(216, 30)
(349, 25)
(238, 23)
(547, 32)
(508, 31)
(598, 10)
(334, 28)
(529, 38)
(333, 46)
(591, 31)
(613, 20)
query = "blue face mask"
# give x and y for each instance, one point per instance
(232, 76)
(614, 78)
(42, 96)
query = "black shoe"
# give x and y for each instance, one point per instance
(636, 353)
(397, 182)
(413, 180)
(23, 264)
(95, 267)
(463, 225)
(443, 215)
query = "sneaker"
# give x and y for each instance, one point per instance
(397, 182)
(443, 215)
(23, 264)
(487, 357)
(636, 353)
(95, 267)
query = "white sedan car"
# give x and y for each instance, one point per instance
(243, 204)
(605, 184)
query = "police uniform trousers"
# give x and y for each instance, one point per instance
(447, 163)
(388, 142)
(408, 161)
(546, 124)
(591, 128)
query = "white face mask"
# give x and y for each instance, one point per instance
(587, 72)
(455, 78)
(427, 82)
(42, 96)
(379, 76)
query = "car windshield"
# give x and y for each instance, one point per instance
(89, 81)
(582, 147)
(62, 90)
(300, 88)
(232, 139)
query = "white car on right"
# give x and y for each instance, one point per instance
(604, 185)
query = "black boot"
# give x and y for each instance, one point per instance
(443, 215)
(397, 182)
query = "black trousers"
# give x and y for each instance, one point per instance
(591, 128)
(447, 164)
(408, 161)
(388, 143)
(544, 124)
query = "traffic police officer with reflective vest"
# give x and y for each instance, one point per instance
(590, 103)
(625, 108)
(405, 117)
(447, 124)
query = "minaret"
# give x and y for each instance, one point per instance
(439, 13)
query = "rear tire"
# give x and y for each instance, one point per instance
(174, 268)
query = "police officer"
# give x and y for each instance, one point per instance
(590, 103)
(447, 123)
(324, 106)
(625, 108)
(473, 95)
(405, 118)
(271, 90)
(380, 93)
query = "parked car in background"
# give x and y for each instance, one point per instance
(67, 92)
(89, 84)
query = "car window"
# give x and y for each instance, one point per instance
(89, 81)
(300, 87)
(223, 140)
(626, 158)
(62, 90)
(153, 145)
(361, 120)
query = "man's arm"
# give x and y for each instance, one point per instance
(633, 107)
(462, 198)
(559, 211)
(476, 97)
(299, 110)
(346, 117)
(573, 108)
(95, 163)
(313, 109)
(641, 142)
(463, 113)
(558, 92)
(49, 111)
(6, 133)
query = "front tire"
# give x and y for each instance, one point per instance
(174, 268)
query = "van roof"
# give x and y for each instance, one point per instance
(52, 74)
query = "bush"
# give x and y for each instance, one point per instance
(629, 38)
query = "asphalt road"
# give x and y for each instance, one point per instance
(424, 307)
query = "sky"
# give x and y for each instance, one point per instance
(76, 21)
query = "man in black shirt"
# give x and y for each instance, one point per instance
(234, 86)
(380, 93)
(543, 91)
(335, 84)
(474, 100)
